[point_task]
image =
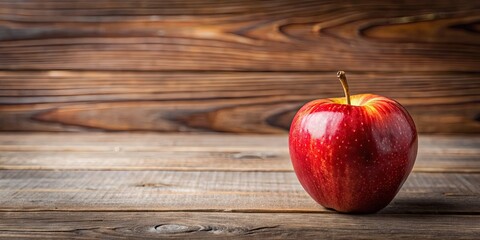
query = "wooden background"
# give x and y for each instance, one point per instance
(233, 66)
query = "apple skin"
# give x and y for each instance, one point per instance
(353, 158)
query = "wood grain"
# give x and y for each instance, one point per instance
(262, 161)
(24, 190)
(186, 225)
(230, 67)
(256, 201)
(222, 102)
(239, 35)
(198, 152)
(125, 142)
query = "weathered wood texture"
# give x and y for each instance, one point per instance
(240, 35)
(223, 102)
(203, 160)
(182, 188)
(187, 225)
(194, 141)
(26, 190)
(206, 175)
(99, 151)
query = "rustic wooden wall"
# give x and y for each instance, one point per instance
(234, 66)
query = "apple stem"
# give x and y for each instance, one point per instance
(343, 79)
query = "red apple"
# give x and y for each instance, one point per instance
(353, 154)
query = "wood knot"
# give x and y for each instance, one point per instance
(153, 185)
(175, 228)
(217, 229)
(252, 155)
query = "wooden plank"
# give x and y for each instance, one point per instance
(175, 161)
(222, 102)
(205, 152)
(97, 141)
(274, 36)
(213, 191)
(187, 225)
(101, 141)
(265, 161)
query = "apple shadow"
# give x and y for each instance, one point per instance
(418, 205)
(422, 206)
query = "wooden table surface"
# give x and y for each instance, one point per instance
(117, 185)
